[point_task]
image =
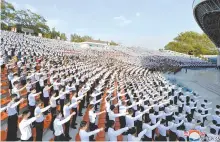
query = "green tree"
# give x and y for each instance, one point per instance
(28, 19)
(63, 36)
(113, 43)
(192, 43)
(7, 15)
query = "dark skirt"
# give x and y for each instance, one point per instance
(10, 85)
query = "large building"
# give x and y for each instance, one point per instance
(207, 15)
(94, 43)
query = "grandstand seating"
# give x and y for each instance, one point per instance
(123, 63)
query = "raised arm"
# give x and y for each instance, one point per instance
(205, 115)
(66, 119)
(92, 132)
(28, 122)
(22, 88)
(45, 109)
(132, 105)
(33, 82)
(209, 103)
(146, 126)
(206, 109)
(97, 101)
(178, 124)
(96, 94)
(100, 112)
(120, 131)
(118, 114)
(58, 97)
(3, 109)
(34, 95)
(168, 114)
(73, 104)
(141, 134)
(168, 127)
(17, 103)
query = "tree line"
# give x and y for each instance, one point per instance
(192, 43)
(10, 17)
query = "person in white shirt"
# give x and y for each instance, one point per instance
(81, 105)
(113, 115)
(39, 124)
(32, 101)
(92, 118)
(16, 89)
(172, 134)
(62, 94)
(216, 117)
(42, 82)
(53, 105)
(66, 112)
(24, 126)
(10, 77)
(84, 135)
(112, 133)
(58, 126)
(74, 108)
(215, 126)
(56, 85)
(212, 136)
(133, 132)
(12, 118)
(46, 96)
(149, 127)
(163, 129)
(180, 132)
(94, 102)
(130, 120)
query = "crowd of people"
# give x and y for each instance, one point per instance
(150, 107)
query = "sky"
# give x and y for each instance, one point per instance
(147, 23)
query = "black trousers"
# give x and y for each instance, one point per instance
(41, 95)
(139, 126)
(39, 130)
(91, 128)
(153, 132)
(31, 108)
(12, 128)
(192, 112)
(60, 138)
(57, 93)
(67, 128)
(146, 138)
(81, 104)
(30, 139)
(162, 138)
(46, 102)
(77, 89)
(68, 96)
(87, 97)
(180, 109)
(61, 105)
(18, 108)
(175, 100)
(38, 88)
(74, 117)
(172, 136)
(122, 121)
(53, 113)
(106, 124)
